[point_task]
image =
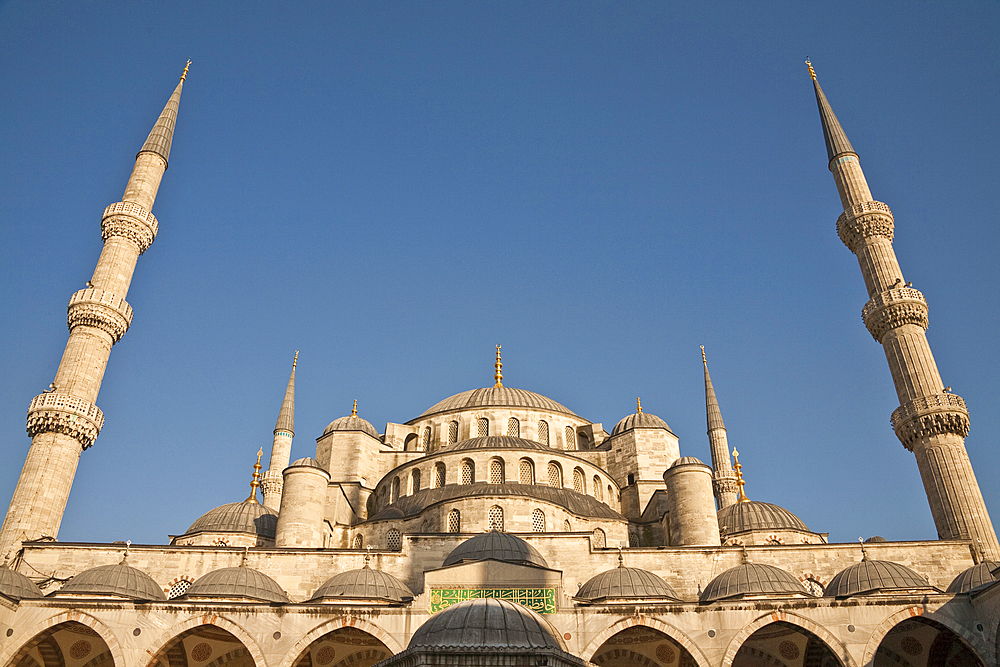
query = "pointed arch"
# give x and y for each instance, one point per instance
(221, 622)
(974, 643)
(326, 628)
(18, 647)
(674, 633)
(821, 633)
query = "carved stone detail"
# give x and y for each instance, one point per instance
(271, 482)
(97, 308)
(726, 484)
(67, 414)
(129, 221)
(894, 308)
(928, 416)
(864, 220)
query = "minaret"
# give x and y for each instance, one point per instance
(931, 421)
(281, 447)
(63, 421)
(723, 477)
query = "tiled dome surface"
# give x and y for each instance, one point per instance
(119, 580)
(751, 579)
(485, 624)
(496, 397)
(755, 515)
(17, 586)
(351, 423)
(237, 582)
(869, 576)
(977, 576)
(626, 582)
(245, 517)
(497, 546)
(639, 420)
(364, 584)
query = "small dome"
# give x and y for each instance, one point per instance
(625, 582)
(485, 624)
(248, 516)
(686, 460)
(495, 397)
(977, 576)
(237, 582)
(307, 462)
(364, 584)
(875, 538)
(751, 579)
(494, 442)
(496, 546)
(351, 423)
(639, 420)
(16, 586)
(870, 576)
(121, 580)
(755, 515)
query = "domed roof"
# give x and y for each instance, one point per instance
(16, 586)
(364, 584)
(351, 423)
(686, 460)
(493, 442)
(639, 420)
(875, 538)
(248, 516)
(495, 397)
(751, 579)
(625, 582)
(977, 576)
(237, 582)
(121, 580)
(485, 624)
(307, 462)
(755, 515)
(497, 546)
(870, 576)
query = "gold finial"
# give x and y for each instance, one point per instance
(255, 481)
(638, 405)
(295, 360)
(186, 68)
(812, 72)
(354, 410)
(498, 375)
(739, 477)
(703, 359)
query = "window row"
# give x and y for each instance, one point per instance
(495, 517)
(481, 429)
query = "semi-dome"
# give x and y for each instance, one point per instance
(239, 583)
(639, 420)
(495, 545)
(493, 442)
(977, 576)
(121, 580)
(16, 586)
(755, 515)
(495, 397)
(248, 516)
(485, 624)
(363, 584)
(871, 576)
(625, 583)
(351, 423)
(750, 579)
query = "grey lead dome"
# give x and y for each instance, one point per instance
(121, 580)
(238, 583)
(496, 397)
(751, 579)
(485, 624)
(756, 515)
(246, 517)
(871, 576)
(625, 583)
(351, 423)
(16, 586)
(496, 546)
(639, 420)
(364, 584)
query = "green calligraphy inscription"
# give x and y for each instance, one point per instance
(540, 600)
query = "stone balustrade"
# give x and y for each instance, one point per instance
(893, 308)
(67, 414)
(930, 415)
(865, 220)
(129, 221)
(101, 309)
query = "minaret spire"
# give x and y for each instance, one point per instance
(724, 481)
(64, 420)
(931, 421)
(281, 446)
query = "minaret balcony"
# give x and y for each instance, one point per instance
(865, 220)
(67, 414)
(892, 309)
(927, 416)
(130, 221)
(100, 309)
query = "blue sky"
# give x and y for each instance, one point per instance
(394, 188)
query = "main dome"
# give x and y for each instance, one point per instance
(493, 442)
(495, 397)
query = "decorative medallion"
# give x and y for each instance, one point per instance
(788, 650)
(80, 649)
(665, 653)
(201, 652)
(325, 655)
(911, 646)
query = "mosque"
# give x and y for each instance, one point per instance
(499, 527)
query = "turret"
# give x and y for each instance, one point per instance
(281, 446)
(931, 421)
(64, 420)
(691, 519)
(303, 504)
(723, 477)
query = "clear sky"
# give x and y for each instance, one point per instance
(394, 188)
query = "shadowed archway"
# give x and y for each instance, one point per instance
(784, 644)
(641, 646)
(203, 646)
(343, 647)
(69, 642)
(923, 642)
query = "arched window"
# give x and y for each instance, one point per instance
(483, 427)
(359, 541)
(178, 589)
(425, 441)
(567, 526)
(538, 521)
(570, 437)
(513, 428)
(598, 490)
(394, 540)
(394, 491)
(454, 521)
(555, 475)
(468, 472)
(543, 432)
(410, 443)
(526, 471)
(496, 518)
(452, 433)
(414, 481)
(579, 484)
(630, 479)
(496, 471)
(438, 481)
(611, 494)
(600, 539)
